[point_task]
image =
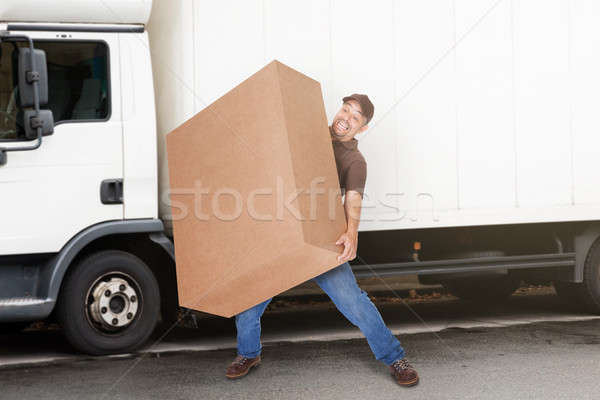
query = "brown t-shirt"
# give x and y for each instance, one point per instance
(351, 165)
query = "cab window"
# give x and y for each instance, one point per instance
(78, 84)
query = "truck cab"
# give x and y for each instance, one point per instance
(80, 238)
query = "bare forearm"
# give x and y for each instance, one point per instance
(349, 239)
(352, 207)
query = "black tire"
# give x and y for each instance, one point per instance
(133, 303)
(585, 295)
(485, 290)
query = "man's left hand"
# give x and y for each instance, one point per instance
(350, 242)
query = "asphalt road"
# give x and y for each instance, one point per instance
(531, 347)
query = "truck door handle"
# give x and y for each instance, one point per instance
(111, 191)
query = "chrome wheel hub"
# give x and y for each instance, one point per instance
(113, 303)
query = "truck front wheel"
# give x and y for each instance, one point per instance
(109, 303)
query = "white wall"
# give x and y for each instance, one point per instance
(484, 109)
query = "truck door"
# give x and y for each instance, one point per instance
(49, 194)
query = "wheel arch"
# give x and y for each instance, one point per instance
(138, 237)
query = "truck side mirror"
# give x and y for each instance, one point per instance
(28, 75)
(31, 122)
(33, 93)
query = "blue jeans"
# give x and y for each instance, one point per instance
(354, 303)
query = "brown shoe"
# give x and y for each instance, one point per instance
(404, 373)
(240, 366)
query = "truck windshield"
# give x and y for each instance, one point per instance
(78, 86)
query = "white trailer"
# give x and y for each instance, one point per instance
(482, 160)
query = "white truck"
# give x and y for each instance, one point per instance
(482, 156)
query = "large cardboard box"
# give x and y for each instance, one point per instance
(254, 193)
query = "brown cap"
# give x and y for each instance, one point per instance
(366, 106)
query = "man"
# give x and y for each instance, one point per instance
(339, 283)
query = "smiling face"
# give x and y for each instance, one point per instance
(349, 121)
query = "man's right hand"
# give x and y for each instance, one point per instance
(350, 241)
